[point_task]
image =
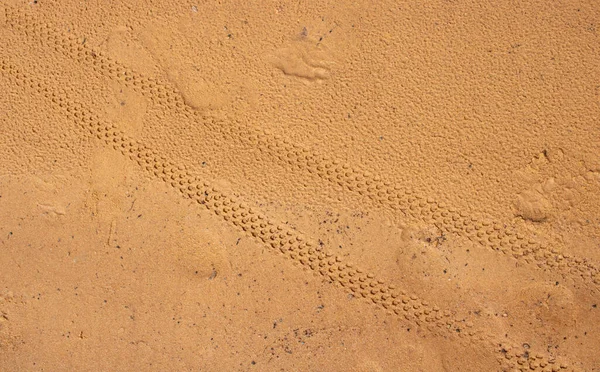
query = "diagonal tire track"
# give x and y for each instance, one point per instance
(277, 237)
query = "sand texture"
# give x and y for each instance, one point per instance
(299, 186)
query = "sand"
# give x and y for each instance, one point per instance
(299, 186)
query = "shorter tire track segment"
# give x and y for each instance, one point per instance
(494, 235)
(278, 237)
(74, 48)
(491, 234)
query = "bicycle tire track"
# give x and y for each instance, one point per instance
(277, 237)
(397, 198)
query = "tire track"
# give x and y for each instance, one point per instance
(276, 237)
(494, 235)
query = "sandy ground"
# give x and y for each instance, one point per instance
(291, 186)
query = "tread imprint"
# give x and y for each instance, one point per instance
(281, 238)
